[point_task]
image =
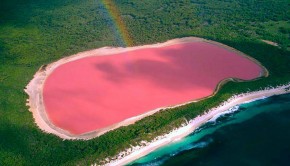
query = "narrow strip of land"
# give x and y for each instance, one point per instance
(134, 153)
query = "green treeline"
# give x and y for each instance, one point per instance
(38, 32)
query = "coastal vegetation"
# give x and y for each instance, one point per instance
(38, 32)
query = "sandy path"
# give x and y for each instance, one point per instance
(270, 42)
(35, 88)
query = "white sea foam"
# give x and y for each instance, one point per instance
(202, 144)
(260, 98)
(229, 111)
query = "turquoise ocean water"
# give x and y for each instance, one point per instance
(257, 133)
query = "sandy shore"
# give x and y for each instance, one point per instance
(134, 153)
(35, 88)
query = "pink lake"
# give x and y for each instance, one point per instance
(96, 92)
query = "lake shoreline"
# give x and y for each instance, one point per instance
(35, 88)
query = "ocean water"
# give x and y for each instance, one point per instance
(251, 134)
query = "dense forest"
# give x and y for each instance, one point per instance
(38, 32)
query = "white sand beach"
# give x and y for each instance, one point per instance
(134, 153)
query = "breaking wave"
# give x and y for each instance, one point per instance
(227, 112)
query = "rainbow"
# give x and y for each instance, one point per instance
(118, 22)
